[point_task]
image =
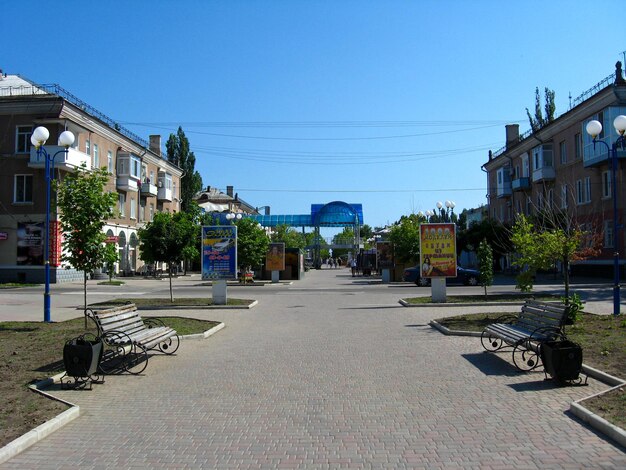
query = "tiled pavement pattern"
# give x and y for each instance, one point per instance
(321, 375)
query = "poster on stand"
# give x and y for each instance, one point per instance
(438, 250)
(275, 258)
(219, 252)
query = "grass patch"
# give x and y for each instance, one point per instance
(33, 351)
(164, 302)
(111, 283)
(15, 285)
(603, 340)
(481, 299)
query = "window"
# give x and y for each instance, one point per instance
(608, 234)
(516, 174)
(22, 139)
(525, 166)
(563, 152)
(564, 196)
(122, 205)
(606, 184)
(151, 212)
(142, 210)
(133, 208)
(96, 156)
(587, 189)
(550, 198)
(23, 189)
(173, 190)
(579, 192)
(578, 146)
(540, 201)
(135, 166)
(144, 173)
(88, 147)
(529, 205)
(110, 162)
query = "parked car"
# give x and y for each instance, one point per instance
(466, 276)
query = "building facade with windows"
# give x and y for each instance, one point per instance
(144, 181)
(558, 168)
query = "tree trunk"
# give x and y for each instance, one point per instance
(85, 296)
(169, 269)
(566, 279)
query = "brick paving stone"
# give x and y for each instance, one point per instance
(348, 379)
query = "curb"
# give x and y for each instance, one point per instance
(597, 422)
(576, 408)
(201, 307)
(23, 442)
(404, 303)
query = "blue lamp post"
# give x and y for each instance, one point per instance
(38, 139)
(594, 128)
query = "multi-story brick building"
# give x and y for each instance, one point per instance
(558, 166)
(144, 181)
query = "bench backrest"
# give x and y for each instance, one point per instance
(536, 315)
(125, 319)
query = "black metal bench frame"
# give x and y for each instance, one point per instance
(128, 337)
(537, 323)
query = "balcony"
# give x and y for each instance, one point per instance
(148, 190)
(164, 194)
(545, 173)
(520, 184)
(67, 162)
(127, 183)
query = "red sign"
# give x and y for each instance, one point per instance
(55, 243)
(111, 239)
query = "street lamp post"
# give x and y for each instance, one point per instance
(38, 139)
(594, 128)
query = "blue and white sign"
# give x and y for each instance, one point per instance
(219, 252)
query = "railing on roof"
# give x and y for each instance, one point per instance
(54, 89)
(601, 85)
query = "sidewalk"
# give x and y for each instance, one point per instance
(327, 374)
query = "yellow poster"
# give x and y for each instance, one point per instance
(275, 259)
(438, 250)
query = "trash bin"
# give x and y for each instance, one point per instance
(562, 359)
(82, 356)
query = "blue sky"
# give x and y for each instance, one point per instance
(392, 104)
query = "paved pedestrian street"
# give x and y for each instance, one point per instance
(329, 372)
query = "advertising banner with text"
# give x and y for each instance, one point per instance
(219, 252)
(438, 250)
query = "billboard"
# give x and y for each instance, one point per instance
(384, 252)
(219, 252)
(30, 243)
(438, 250)
(275, 258)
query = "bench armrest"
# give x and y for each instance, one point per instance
(554, 333)
(151, 322)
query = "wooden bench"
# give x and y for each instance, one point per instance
(128, 338)
(537, 322)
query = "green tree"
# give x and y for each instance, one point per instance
(252, 243)
(111, 256)
(485, 264)
(178, 153)
(289, 236)
(538, 121)
(540, 246)
(85, 207)
(169, 239)
(405, 236)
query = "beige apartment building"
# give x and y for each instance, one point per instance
(145, 182)
(558, 167)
